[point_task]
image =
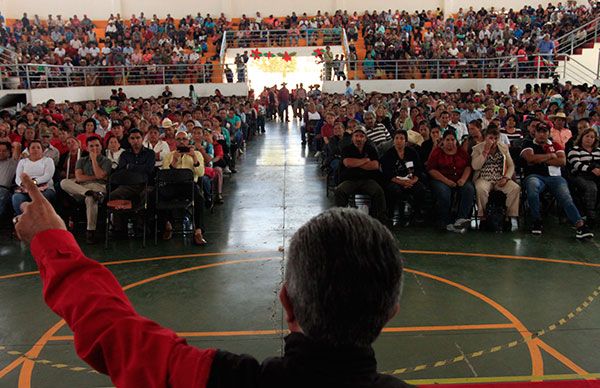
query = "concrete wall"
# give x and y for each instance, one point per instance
(235, 8)
(37, 96)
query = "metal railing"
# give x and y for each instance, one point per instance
(567, 43)
(284, 38)
(570, 69)
(34, 76)
(223, 48)
(534, 67)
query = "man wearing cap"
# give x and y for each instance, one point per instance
(152, 141)
(284, 101)
(49, 150)
(89, 185)
(185, 156)
(359, 174)
(560, 133)
(377, 133)
(544, 159)
(169, 128)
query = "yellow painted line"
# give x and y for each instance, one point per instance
(495, 256)
(537, 362)
(26, 371)
(504, 379)
(158, 258)
(568, 363)
(406, 329)
(18, 275)
(409, 251)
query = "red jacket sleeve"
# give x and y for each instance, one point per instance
(109, 335)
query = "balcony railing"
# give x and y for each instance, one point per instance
(535, 66)
(33, 76)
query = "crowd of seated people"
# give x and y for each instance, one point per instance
(452, 157)
(512, 36)
(71, 150)
(462, 39)
(139, 41)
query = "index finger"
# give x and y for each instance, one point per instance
(32, 189)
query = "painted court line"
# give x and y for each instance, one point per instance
(496, 256)
(503, 379)
(409, 251)
(243, 333)
(533, 344)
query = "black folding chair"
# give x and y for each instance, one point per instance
(126, 177)
(178, 186)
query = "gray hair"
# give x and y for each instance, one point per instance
(343, 277)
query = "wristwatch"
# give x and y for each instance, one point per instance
(35, 181)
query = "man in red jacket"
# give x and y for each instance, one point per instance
(342, 285)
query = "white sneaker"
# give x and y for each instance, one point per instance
(453, 228)
(226, 170)
(462, 223)
(318, 155)
(514, 224)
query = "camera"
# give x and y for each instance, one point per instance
(183, 149)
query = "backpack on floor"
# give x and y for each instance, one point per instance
(495, 212)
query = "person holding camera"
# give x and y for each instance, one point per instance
(185, 156)
(584, 165)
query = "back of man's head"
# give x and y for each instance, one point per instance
(343, 277)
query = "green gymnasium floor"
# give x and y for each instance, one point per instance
(470, 304)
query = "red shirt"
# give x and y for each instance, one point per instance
(109, 334)
(450, 166)
(327, 130)
(14, 137)
(62, 148)
(83, 139)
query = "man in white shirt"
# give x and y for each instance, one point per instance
(76, 43)
(160, 147)
(461, 128)
(59, 51)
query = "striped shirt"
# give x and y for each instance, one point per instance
(581, 161)
(516, 136)
(378, 134)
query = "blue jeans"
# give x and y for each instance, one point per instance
(443, 200)
(4, 200)
(535, 185)
(19, 198)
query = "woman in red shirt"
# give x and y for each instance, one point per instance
(449, 167)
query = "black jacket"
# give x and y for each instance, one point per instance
(305, 364)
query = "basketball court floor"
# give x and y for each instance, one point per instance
(477, 307)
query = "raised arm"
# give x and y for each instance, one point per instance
(109, 334)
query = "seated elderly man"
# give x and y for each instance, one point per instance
(377, 133)
(89, 185)
(544, 159)
(359, 174)
(185, 156)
